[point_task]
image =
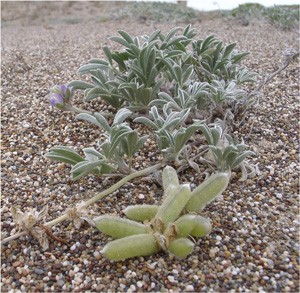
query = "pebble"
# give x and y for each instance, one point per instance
(190, 288)
(39, 271)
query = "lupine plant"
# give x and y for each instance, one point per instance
(168, 227)
(182, 91)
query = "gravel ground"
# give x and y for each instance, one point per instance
(254, 245)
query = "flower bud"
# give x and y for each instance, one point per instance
(60, 97)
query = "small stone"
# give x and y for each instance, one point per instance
(171, 278)
(189, 288)
(76, 269)
(141, 196)
(39, 271)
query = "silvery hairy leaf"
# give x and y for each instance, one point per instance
(64, 154)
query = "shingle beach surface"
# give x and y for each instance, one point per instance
(254, 245)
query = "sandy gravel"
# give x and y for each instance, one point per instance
(254, 246)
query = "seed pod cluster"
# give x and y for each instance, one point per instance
(151, 228)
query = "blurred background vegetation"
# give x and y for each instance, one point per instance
(49, 13)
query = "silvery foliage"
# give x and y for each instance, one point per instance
(206, 75)
(171, 134)
(226, 153)
(121, 142)
(170, 82)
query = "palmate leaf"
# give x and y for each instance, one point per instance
(102, 122)
(154, 36)
(116, 138)
(64, 154)
(239, 57)
(168, 37)
(120, 41)
(227, 50)
(84, 168)
(92, 67)
(241, 158)
(108, 54)
(132, 143)
(126, 36)
(93, 93)
(121, 116)
(146, 121)
(92, 155)
(80, 85)
(120, 58)
(88, 117)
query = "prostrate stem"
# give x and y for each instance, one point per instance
(94, 199)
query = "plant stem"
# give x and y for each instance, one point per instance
(94, 199)
(79, 110)
(122, 182)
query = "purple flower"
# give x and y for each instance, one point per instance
(56, 99)
(60, 97)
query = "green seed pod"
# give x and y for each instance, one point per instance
(169, 178)
(185, 224)
(170, 182)
(172, 206)
(194, 225)
(117, 227)
(202, 226)
(181, 247)
(207, 191)
(131, 246)
(141, 212)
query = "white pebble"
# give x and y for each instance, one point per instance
(171, 279)
(141, 196)
(139, 284)
(97, 254)
(189, 288)
(132, 287)
(76, 269)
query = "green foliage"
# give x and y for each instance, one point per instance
(167, 229)
(170, 135)
(157, 12)
(160, 69)
(121, 142)
(166, 82)
(282, 16)
(225, 152)
(134, 77)
(253, 10)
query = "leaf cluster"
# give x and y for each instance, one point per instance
(172, 84)
(174, 69)
(121, 144)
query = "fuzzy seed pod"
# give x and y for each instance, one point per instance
(185, 224)
(141, 212)
(202, 227)
(181, 247)
(207, 191)
(117, 227)
(131, 246)
(169, 178)
(194, 225)
(172, 206)
(170, 182)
